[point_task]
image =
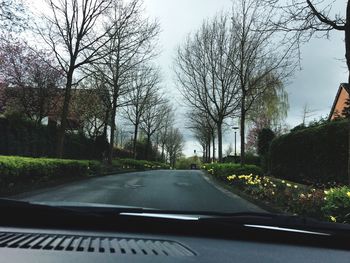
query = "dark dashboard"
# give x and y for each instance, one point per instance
(36, 233)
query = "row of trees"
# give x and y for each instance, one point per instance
(98, 62)
(227, 68)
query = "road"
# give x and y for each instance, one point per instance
(161, 189)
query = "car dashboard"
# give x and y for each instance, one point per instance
(56, 245)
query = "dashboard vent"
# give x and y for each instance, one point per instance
(117, 245)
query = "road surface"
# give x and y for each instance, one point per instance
(162, 189)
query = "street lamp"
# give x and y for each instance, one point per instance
(235, 129)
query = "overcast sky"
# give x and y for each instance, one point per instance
(323, 67)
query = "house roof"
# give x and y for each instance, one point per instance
(344, 86)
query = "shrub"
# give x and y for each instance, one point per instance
(23, 170)
(138, 164)
(26, 138)
(222, 170)
(315, 155)
(337, 204)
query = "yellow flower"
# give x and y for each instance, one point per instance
(333, 218)
(295, 186)
(348, 194)
(273, 193)
(283, 181)
(326, 192)
(289, 185)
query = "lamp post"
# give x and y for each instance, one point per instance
(235, 129)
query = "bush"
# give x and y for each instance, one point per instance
(23, 170)
(337, 205)
(138, 164)
(315, 155)
(250, 158)
(23, 137)
(222, 170)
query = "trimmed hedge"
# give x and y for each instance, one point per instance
(315, 155)
(24, 171)
(222, 170)
(138, 164)
(23, 137)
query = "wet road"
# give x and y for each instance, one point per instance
(162, 189)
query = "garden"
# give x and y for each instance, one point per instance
(303, 172)
(285, 196)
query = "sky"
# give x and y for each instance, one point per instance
(315, 85)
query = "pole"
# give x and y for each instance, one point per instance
(235, 143)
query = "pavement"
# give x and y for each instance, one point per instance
(180, 190)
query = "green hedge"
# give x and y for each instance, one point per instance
(138, 164)
(316, 155)
(23, 137)
(222, 170)
(23, 170)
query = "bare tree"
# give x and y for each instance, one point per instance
(144, 80)
(12, 15)
(262, 58)
(73, 30)
(204, 130)
(132, 44)
(305, 19)
(174, 145)
(153, 118)
(31, 78)
(206, 78)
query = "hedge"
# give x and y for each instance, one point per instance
(23, 137)
(138, 164)
(222, 170)
(24, 170)
(316, 155)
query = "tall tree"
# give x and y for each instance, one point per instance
(153, 118)
(174, 145)
(132, 44)
(206, 78)
(144, 80)
(73, 30)
(262, 58)
(204, 130)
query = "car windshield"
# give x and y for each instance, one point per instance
(212, 106)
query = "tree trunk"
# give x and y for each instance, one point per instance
(163, 153)
(111, 143)
(135, 140)
(64, 115)
(148, 146)
(213, 147)
(209, 149)
(243, 131)
(220, 141)
(347, 56)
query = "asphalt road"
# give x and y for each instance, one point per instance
(161, 189)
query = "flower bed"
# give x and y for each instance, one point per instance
(331, 204)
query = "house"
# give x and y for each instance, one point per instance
(340, 101)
